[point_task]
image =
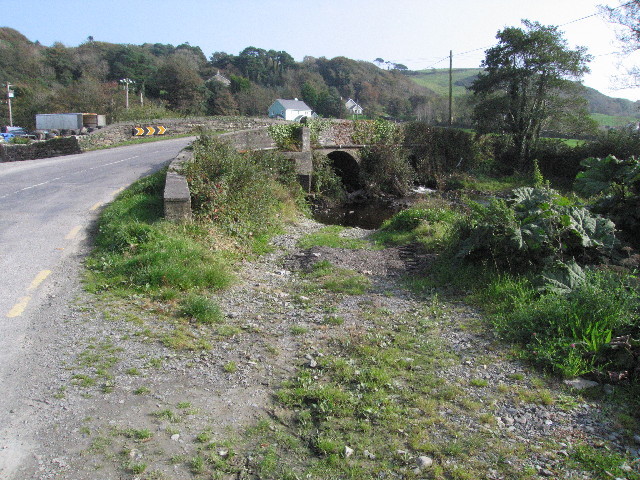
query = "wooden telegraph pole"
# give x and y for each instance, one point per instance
(9, 96)
(450, 87)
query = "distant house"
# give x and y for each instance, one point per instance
(218, 77)
(353, 107)
(294, 110)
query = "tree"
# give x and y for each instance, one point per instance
(627, 16)
(177, 82)
(527, 82)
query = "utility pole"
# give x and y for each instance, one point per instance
(450, 87)
(126, 82)
(9, 97)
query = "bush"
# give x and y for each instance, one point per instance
(325, 181)
(246, 195)
(437, 152)
(385, 170)
(534, 230)
(571, 333)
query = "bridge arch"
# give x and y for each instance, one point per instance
(347, 167)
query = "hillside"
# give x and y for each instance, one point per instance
(182, 80)
(171, 81)
(605, 110)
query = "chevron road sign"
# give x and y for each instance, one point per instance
(148, 130)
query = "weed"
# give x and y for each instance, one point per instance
(298, 330)
(201, 309)
(168, 414)
(330, 237)
(333, 320)
(230, 367)
(142, 391)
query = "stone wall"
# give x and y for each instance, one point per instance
(50, 148)
(177, 198)
(122, 132)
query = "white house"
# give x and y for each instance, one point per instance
(353, 107)
(290, 109)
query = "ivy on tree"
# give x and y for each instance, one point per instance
(529, 83)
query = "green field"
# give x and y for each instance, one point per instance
(612, 120)
(438, 80)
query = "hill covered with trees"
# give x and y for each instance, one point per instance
(181, 80)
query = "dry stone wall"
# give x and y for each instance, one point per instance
(122, 132)
(51, 148)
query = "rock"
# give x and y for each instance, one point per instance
(636, 438)
(348, 451)
(223, 453)
(175, 437)
(424, 462)
(369, 455)
(580, 383)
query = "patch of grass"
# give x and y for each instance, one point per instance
(168, 414)
(137, 250)
(478, 382)
(201, 309)
(329, 236)
(138, 434)
(182, 338)
(603, 464)
(431, 223)
(333, 320)
(298, 330)
(230, 367)
(338, 280)
(142, 391)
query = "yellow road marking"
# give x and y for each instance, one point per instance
(95, 207)
(118, 191)
(74, 231)
(19, 307)
(39, 279)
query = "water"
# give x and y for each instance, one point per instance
(362, 215)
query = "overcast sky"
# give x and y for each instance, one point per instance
(416, 33)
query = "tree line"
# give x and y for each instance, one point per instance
(180, 80)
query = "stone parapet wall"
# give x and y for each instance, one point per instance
(255, 139)
(177, 197)
(50, 148)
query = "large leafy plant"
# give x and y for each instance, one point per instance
(535, 230)
(615, 186)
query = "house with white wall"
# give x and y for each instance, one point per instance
(353, 107)
(294, 110)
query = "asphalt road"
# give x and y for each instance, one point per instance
(46, 209)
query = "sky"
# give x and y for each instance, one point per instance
(416, 33)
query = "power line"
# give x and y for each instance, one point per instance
(561, 25)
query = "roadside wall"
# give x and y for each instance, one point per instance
(51, 148)
(121, 132)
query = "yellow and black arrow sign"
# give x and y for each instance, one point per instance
(148, 130)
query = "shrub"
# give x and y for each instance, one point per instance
(325, 181)
(201, 309)
(437, 151)
(385, 170)
(615, 184)
(245, 195)
(570, 333)
(286, 135)
(535, 229)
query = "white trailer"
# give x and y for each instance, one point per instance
(59, 121)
